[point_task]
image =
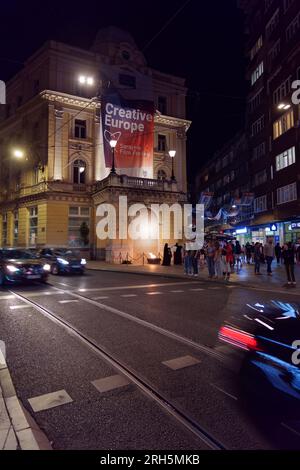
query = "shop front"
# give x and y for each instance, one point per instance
(292, 232)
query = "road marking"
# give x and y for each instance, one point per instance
(154, 293)
(290, 429)
(110, 383)
(223, 391)
(181, 362)
(214, 287)
(49, 400)
(63, 284)
(67, 301)
(2, 353)
(6, 297)
(176, 291)
(101, 298)
(196, 290)
(140, 286)
(15, 307)
(129, 295)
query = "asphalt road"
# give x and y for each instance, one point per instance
(142, 322)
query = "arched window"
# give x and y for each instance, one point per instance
(161, 175)
(79, 172)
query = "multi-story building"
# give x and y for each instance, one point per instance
(272, 30)
(51, 144)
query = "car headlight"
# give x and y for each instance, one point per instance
(11, 268)
(83, 261)
(62, 261)
(47, 267)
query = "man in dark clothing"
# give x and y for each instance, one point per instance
(288, 255)
(278, 252)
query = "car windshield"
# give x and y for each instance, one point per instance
(17, 254)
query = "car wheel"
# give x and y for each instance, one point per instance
(54, 269)
(2, 279)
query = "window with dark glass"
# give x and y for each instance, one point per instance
(161, 175)
(162, 143)
(79, 172)
(162, 104)
(80, 129)
(127, 80)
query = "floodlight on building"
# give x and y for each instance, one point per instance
(18, 153)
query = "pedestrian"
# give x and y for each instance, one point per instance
(248, 252)
(188, 266)
(269, 253)
(298, 254)
(228, 260)
(278, 252)
(257, 258)
(195, 259)
(218, 260)
(202, 258)
(177, 254)
(288, 255)
(167, 255)
(210, 256)
(237, 256)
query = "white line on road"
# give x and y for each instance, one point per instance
(223, 391)
(176, 291)
(154, 293)
(101, 298)
(67, 301)
(196, 290)
(140, 286)
(16, 307)
(129, 295)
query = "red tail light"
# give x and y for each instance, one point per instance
(238, 338)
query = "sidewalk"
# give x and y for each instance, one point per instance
(245, 276)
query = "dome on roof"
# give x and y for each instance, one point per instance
(112, 34)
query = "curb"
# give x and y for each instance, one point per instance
(17, 424)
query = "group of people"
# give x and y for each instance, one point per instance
(222, 258)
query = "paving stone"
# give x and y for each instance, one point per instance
(110, 383)
(181, 362)
(50, 400)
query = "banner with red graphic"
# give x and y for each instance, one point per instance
(131, 124)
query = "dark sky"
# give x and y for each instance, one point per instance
(204, 44)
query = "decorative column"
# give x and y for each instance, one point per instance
(180, 160)
(58, 145)
(101, 171)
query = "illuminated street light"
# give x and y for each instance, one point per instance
(113, 144)
(18, 153)
(287, 106)
(283, 106)
(84, 80)
(172, 154)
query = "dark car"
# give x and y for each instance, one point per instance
(262, 345)
(21, 265)
(63, 260)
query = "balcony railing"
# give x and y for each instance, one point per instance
(135, 182)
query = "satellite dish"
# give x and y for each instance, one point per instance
(2, 92)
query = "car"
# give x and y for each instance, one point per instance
(18, 265)
(63, 260)
(261, 345)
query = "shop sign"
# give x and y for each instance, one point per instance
(295, 225)
(241, 230)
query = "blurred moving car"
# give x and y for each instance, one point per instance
(21, 265)
(63, 260)
(262, 345)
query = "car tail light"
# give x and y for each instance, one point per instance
(238, 338)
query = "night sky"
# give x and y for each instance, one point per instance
(203, 43)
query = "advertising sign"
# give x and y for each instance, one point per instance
(131, 124)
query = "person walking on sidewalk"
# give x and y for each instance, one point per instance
(288, 255)
(257, 258)
(188, 264)
(218, 261)
(269, 253)
(229, 261)
(278, 252)
(237, 256)
(210, 259)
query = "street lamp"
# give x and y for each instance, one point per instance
(84, 80)
(17, 153)
(172, 154)
(284, 106)
(113, 144)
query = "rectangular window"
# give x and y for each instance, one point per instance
(79, 217)
(4, 229)
(16, 227)
(127, 80)
(258, 126)
(287, 193)
(274, 51)
(292, 28)
(272, 24)
(259, 151)
(257, 73)
(283, 124)
(33, 225)
(256, 100)
(282, 91)
(80, 129)
(260, 204)
(162, 143)
(256, 47)
(260, 178)
(285, 159)
(162, 104)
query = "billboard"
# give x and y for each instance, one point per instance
(131, 123)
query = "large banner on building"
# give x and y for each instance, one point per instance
(131, 124)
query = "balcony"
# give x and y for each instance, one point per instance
(131, 182)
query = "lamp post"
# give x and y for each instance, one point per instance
(172, 154)
(113, 144)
